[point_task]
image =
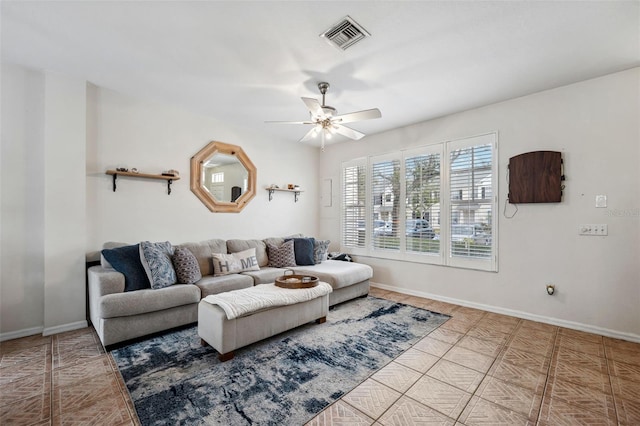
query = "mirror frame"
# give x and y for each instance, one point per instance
(197, 162)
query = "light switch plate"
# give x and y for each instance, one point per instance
(601, 201)
(599, 229)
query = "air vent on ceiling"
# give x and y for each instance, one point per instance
(345, 33)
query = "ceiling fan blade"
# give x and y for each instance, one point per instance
(367, 114)
(314, 107)
(346, 131)
(290, 122)
(311, 134)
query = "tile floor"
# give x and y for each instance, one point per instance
(479, 368)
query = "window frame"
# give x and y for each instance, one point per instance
(444, 256)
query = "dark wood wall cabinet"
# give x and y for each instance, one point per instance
(536, 177)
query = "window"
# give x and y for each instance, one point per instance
(353, 204)
(422, 201)
(432, 204)
(470, 168)
(217, 177)
(385, 179)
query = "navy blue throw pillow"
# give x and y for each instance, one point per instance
(303, 250)
(126, 260)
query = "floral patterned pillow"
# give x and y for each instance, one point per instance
(156, 261)
(320, 250)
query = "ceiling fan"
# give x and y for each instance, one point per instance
(326, 122)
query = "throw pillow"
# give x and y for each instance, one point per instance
(156, 261)
(126, 260)
(303, 249)
(320, 250)
(224, 264)
(186, 266)
(340, 256)
(282, 256)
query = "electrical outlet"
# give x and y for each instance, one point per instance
(594, 229)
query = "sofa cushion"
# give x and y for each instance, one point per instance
(265, 275)
(277, 241)
(320, 250)
(224, 264)
(282, 256)
(214, 285)
(110, 245)
(303, 249)
(235, 246)
(148, 300)
(126, 260)
(338, 274)
(186, 266)
(156, 261)
(202, 251)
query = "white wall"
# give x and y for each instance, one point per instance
(152, 138)
(595, 124)
(60, 135)
(64, 203)
(22, 201)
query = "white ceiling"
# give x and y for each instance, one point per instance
(249, 62)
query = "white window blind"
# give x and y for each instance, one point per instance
(385, 181)
(353, 204)
(430, 204)
(471, 205)
(422, 202)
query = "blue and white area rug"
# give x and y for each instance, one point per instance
(284, 380)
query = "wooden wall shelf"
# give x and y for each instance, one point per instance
(296, 192)
(169, 179)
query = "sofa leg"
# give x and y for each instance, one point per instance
(225, 357)
(321, 320)
(203, 342)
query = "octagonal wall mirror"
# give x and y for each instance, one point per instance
(223, 177)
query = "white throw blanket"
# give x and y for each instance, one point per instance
(263, 296)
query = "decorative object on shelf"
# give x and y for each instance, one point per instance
(223, 177)
(171, 172)
(122, 169)
(135, 173)
(296, 191)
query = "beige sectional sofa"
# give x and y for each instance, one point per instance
(118, 316)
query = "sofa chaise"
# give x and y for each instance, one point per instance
(118, 315)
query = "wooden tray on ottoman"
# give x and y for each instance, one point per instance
(297, 281)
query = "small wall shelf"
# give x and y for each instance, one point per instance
(296, 192)
(169, 179)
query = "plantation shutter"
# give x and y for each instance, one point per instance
(422, 201)
(385, 186)
(471, 201)
(353, 204)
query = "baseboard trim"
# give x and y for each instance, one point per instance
(20, 333)
(65, 327)
(519, 314)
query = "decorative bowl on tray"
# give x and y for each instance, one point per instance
(296, 281)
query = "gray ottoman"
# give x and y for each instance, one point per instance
(226, 335)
